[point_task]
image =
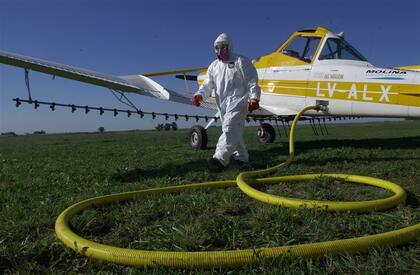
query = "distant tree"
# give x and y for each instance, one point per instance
(167, 126)
(101, 129)
(41, 132)
(159, 127)
(9, 134)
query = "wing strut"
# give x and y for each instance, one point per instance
(27, 83)
(126, 102)
(187, 91)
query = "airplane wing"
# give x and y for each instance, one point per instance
(139, 84)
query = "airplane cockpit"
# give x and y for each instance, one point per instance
(302, 47)
(338, 48)
(306, 45)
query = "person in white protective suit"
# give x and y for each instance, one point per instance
(234, 81)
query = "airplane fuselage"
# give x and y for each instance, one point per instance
(349, 87)
(316, 65)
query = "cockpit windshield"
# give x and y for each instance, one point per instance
(337, 48)
(302, 48)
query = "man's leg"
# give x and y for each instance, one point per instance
(241, 153)
(224, 148)
(231, 141)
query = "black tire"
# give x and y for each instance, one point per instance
(197, 137)
(266, 133)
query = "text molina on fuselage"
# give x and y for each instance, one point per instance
(385, 72)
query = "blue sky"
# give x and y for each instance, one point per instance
(128, 37)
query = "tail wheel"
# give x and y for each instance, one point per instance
(197, 137)
(266, 133)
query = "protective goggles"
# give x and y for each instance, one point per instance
(221, 47)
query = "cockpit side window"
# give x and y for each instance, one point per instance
(302, 48)
(336, 48)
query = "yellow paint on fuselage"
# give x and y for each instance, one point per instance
(288, 87)
(410, 68)
(385, 93)
(277, 59)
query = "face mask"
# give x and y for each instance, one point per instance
(222, 52)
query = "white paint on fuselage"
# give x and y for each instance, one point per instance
(278, 103)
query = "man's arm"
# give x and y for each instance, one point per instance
(207, 87)
(251, 79)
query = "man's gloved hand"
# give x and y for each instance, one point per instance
(253, 105)
(196, 100)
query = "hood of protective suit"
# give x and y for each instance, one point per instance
(224, 38)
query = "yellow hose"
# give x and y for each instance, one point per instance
(232, 258)
(362, 206)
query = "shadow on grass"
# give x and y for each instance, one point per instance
(168, 170)
(374, 143)
(411, 199)
(260, 159)
(266, 158)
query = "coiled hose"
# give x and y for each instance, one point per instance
(232, 258)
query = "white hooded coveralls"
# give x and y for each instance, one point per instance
(233, 82)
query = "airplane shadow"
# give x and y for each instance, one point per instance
(385, 143)
(375, 143)
(169, 170)
(270, 157)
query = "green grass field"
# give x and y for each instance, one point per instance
(42, 175)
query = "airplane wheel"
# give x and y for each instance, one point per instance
(197, 137)
(266, 133)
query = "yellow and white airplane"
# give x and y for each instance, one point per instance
(313, 66)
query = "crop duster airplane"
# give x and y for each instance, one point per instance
(312, 67)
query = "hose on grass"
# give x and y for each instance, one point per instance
(233, 258)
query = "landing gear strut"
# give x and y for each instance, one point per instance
(266, 133)
(197, 137)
